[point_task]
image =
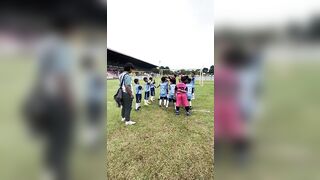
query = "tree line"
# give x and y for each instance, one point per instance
(167, 71)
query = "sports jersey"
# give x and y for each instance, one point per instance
(147, 87)
(193, 81)
(172, 89)
(152, 84)
(189, 90)
(138, 89)
(163, 89)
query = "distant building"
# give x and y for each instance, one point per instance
(116, 61)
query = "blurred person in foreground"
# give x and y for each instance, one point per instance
(94, 102)
(230, 129)
(50, 106)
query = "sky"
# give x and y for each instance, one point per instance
(261, 13)
(174, 33)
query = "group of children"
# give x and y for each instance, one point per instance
(180, 93)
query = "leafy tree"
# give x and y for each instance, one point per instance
(211, 70)
(155, 70)
(205, 70)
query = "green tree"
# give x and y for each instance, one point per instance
(205, 70)
(155, 70)
(211, 70)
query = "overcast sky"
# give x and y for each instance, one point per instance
(260, 13)
(179, 33)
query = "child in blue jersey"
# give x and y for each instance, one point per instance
(171, 94)
(189, 91)
(152, 89)
(146, 91)
(193, 81)
(138, 89)
(163, 92)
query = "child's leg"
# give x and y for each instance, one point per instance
(165, 101)
(167, 104)
(177, 110)
(193, 97)
(139, 103)
(178, 102)
(152, 94)
(160, 101)
(146, 98)
(187, 108)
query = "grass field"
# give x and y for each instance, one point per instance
(161, 145)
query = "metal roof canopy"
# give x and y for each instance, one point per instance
(118, 59)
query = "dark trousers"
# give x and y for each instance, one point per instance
(138, 98)
(126, 106)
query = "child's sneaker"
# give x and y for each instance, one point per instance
(188, 113)
(190, 107)
(177, 113)
(123, 119)
(130, 122)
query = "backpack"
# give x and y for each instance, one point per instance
(119, 94)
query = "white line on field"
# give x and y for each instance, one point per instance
(201, 110)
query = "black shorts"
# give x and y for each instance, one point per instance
(146, 95)
(138, 98)
(172, 100)
(153, 92)
(164, 97)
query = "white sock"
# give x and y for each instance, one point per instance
(167, 103)
(190, 104)
(137, 105)
(160, 102)
(175, 106)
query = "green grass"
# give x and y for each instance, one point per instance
(161, 145)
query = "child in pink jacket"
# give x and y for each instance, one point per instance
(181, 95)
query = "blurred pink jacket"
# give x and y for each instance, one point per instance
(227, 117)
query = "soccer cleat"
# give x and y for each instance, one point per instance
(190, 107)
(123, 119)
(177, 113)
(188, 113)
(130, 122)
